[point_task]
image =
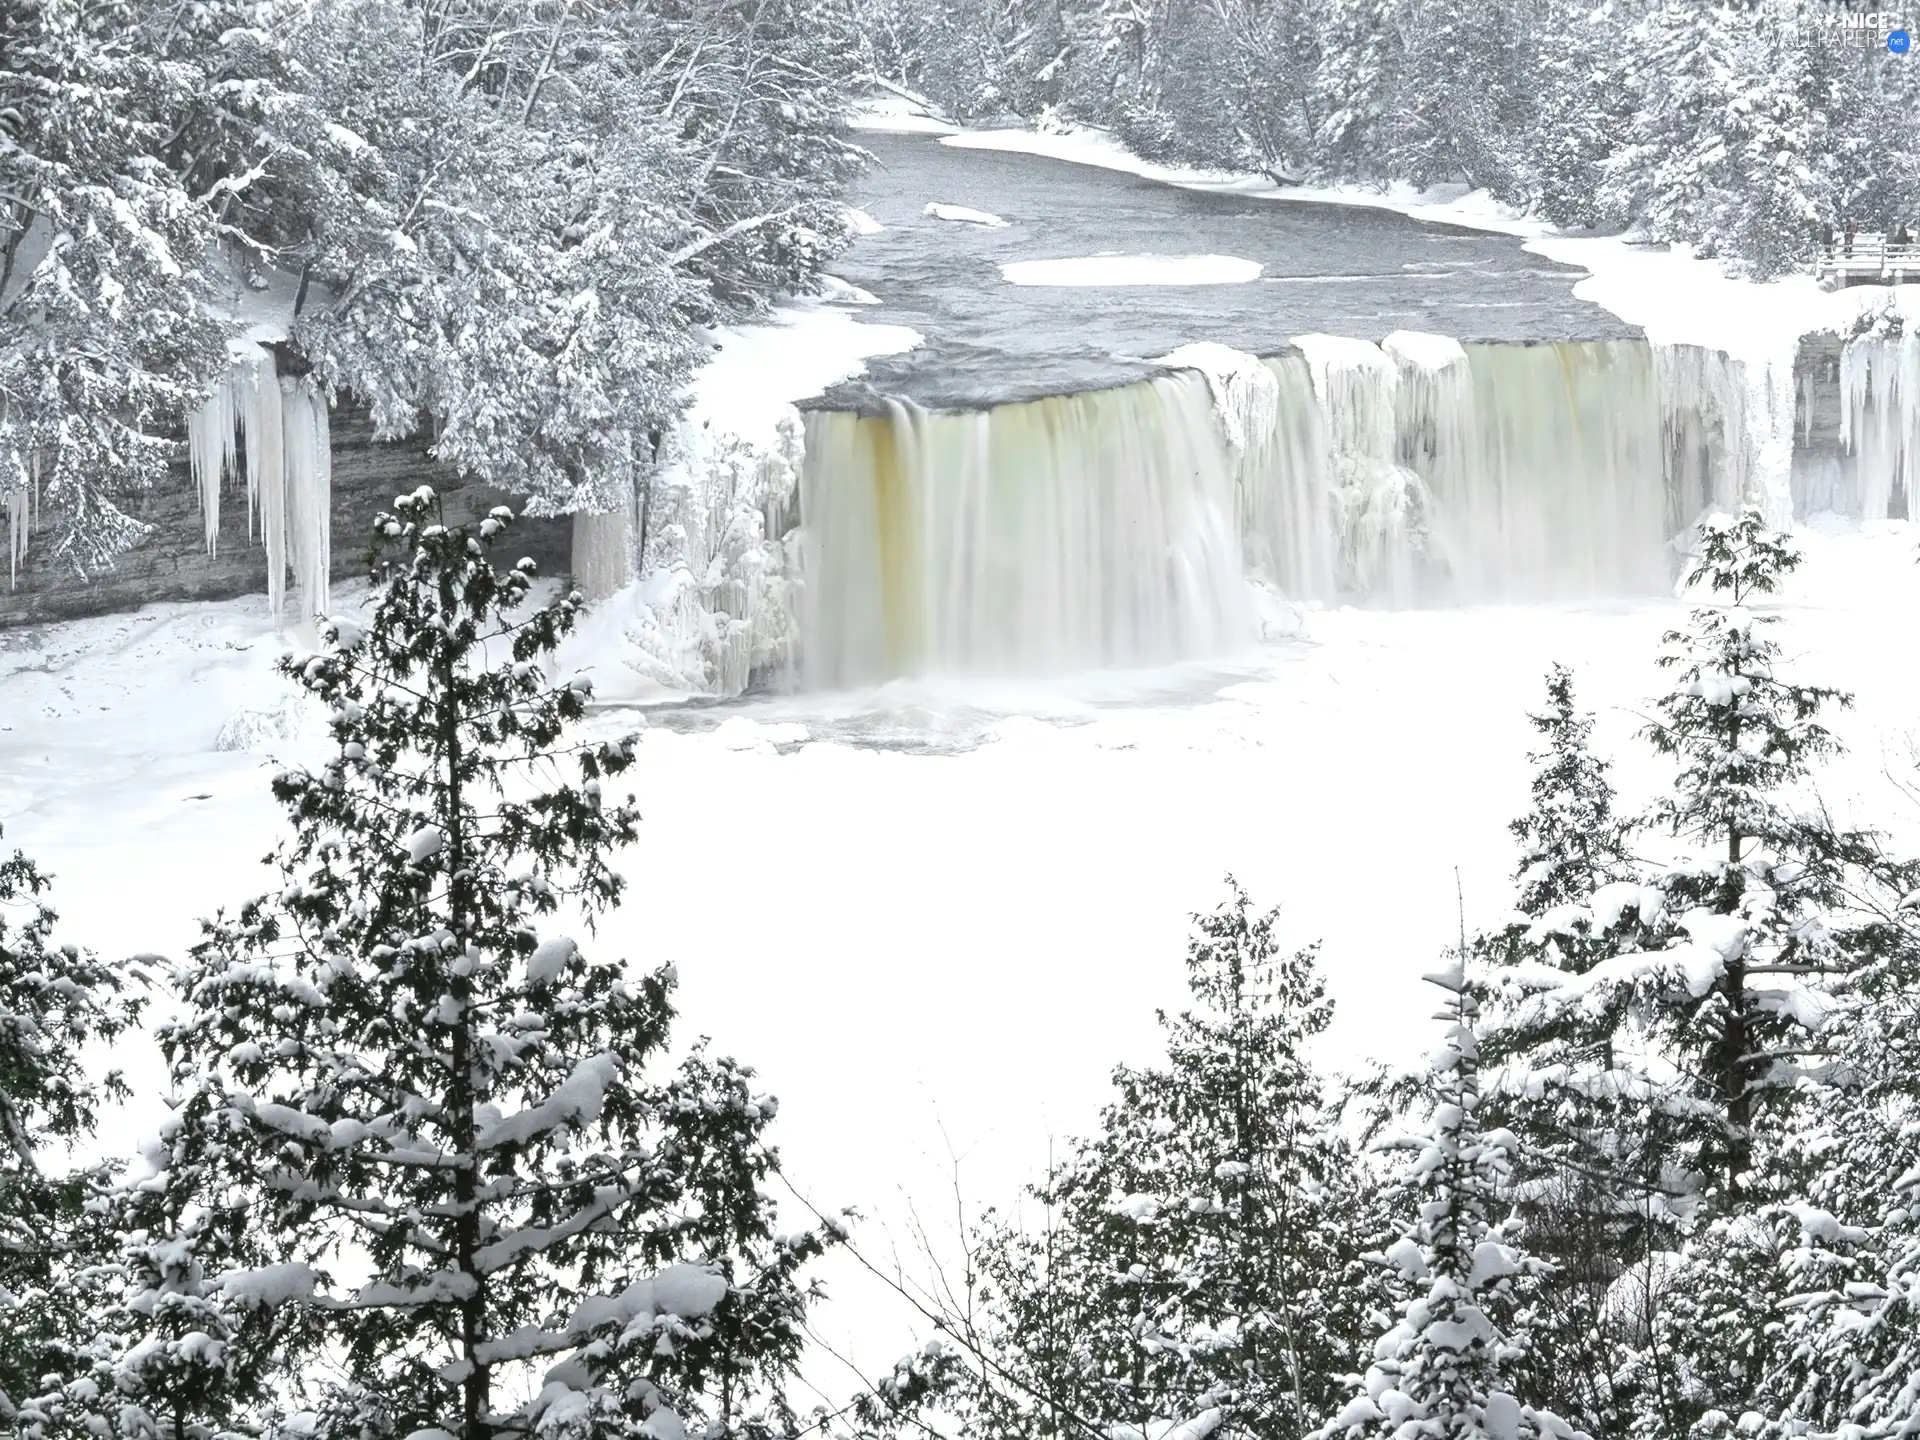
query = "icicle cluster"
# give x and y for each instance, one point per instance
(23, 514)
(1880, 418)
(275, 429)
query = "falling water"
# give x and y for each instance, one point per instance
(1064, 533)
(1122, 526)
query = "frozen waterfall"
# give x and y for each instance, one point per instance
(1880, 422)
(1122, 526)
(274, 429)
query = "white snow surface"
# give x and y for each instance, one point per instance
(900, 115)
(967, 939)
(965, 215)
(1106, 270)
(1423, 351)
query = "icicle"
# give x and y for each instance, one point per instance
(307, 475)
(603, 549)
(262, 423)
(1880, 420)
(18, 520)
(211, 452)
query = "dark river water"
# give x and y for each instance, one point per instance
(1345, 270)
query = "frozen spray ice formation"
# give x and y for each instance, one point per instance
(284, 447)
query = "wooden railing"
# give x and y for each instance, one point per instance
(1869, 259)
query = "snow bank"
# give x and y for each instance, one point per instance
(1133, 270)
(901, 116)
(965, 215)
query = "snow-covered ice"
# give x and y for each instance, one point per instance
(965, 215)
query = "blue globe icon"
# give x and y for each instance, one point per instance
(1899, 42)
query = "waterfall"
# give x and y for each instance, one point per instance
(1066, 533)
(285, 448)
(1122, 526)
(1381, 506)
(1551, 482)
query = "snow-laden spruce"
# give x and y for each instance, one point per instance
(1848, 1238)
(419, 1137)
(1586, 1180)
(1445, 1370)
(1191, 1269)
(1726, 953)
(1667, 1035)
(54, 1000)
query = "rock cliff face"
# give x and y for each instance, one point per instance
(172, 562)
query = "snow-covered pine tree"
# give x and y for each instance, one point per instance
(1673, 173)
(469, 1183)
(102, 340)
(1582, 108)
(1447, 1368)
(1189, 1268)
(1765, 898)
(1453, 103)
(1852, 1263)
(1201, 1205)
(1780, 148)
(164, 1352)
(1586, 1176)
(54, 1001)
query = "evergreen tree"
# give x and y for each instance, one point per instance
(1192, 1265)
(1447, 1366)
(55, 1000)
(468, 1184)
(1587, 1172)
(1780, 146)
(1764, 892)
(1200, 1253)
(1453, 100)
(1665, 1081)
(103, 339)
(165, 1353)
(1673, 173)
(1852, 1319)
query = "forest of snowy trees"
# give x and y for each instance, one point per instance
(432, 1170)
(1738, 128)
(501, 223)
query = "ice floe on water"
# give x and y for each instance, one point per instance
(965, 215)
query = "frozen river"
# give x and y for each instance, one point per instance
(1339, 269)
